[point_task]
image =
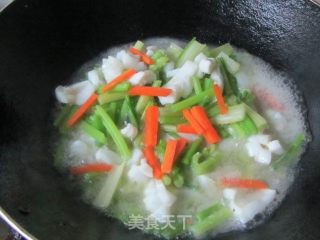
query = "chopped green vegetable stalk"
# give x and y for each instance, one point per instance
(96, 122)
(225, 48)
(248, 126)
(202, 166)
(93, 132)
(122, 87)
(213, 111)
(211, 221)
(110, 97)
(143, 100)
(138, 140)
(112, 109)
(64, 115)
(160, 59)
(290, 155)
(203, 214)
(236, 131)
(173, 135)
(172, 120)
(150, 103)
(247, 96)
(231, 65)
(114, 132)
(131, 112)
(258, 120)
(168, 128)
(174, 52)
(230, 82)
(139, 45)
(196, 85)
(191, 150)
(207, 83)
(235, 113)
(109, 187)
(161, 148)
(190, 101)
(192, 49)
(166, 180)
(178, 180)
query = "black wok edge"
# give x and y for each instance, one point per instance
(43, 42)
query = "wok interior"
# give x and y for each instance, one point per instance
(44, 42)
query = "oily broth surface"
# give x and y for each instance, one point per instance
(254, 74)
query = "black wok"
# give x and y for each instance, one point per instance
(43, 42)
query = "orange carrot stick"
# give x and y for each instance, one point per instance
(153, 162)
(83, 108)
(151, 126)
(210, 133)
(144, 58)
(193, 122)
(181, 143)
(149, 91)
(243, 183)
(221, 105)
(185, 128)
(89, 168)
(169, 155)
(122, 77)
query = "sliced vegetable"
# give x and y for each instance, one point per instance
(210, 134)
(160, 59)
(186, 128)
(153, 162)
(192, 149)
(122, 77)
(90, 168)
(111, 97)
(81, 110)
(235, 113)
(122, 87)
(230, 82)
(109, 187)
(181, 143)
(208, 211)
(226, 48)
(93, 132)
(211, 221)
(151, 126)
(178, 180)
(202, 166)
(232, 66)
(243, 183)
(114, 132)
(149, 91)
(139, 45)
(174, 52)
(258, 120)
(169, 155)
(144, 58)
(220, 101)
(196, 85)
(192, 121)
(293, 150)
(189, 102)
(144, 100)
(192, 49)
(173, 120)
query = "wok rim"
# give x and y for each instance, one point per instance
(15, 226)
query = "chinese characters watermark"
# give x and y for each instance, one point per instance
(152, 223)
